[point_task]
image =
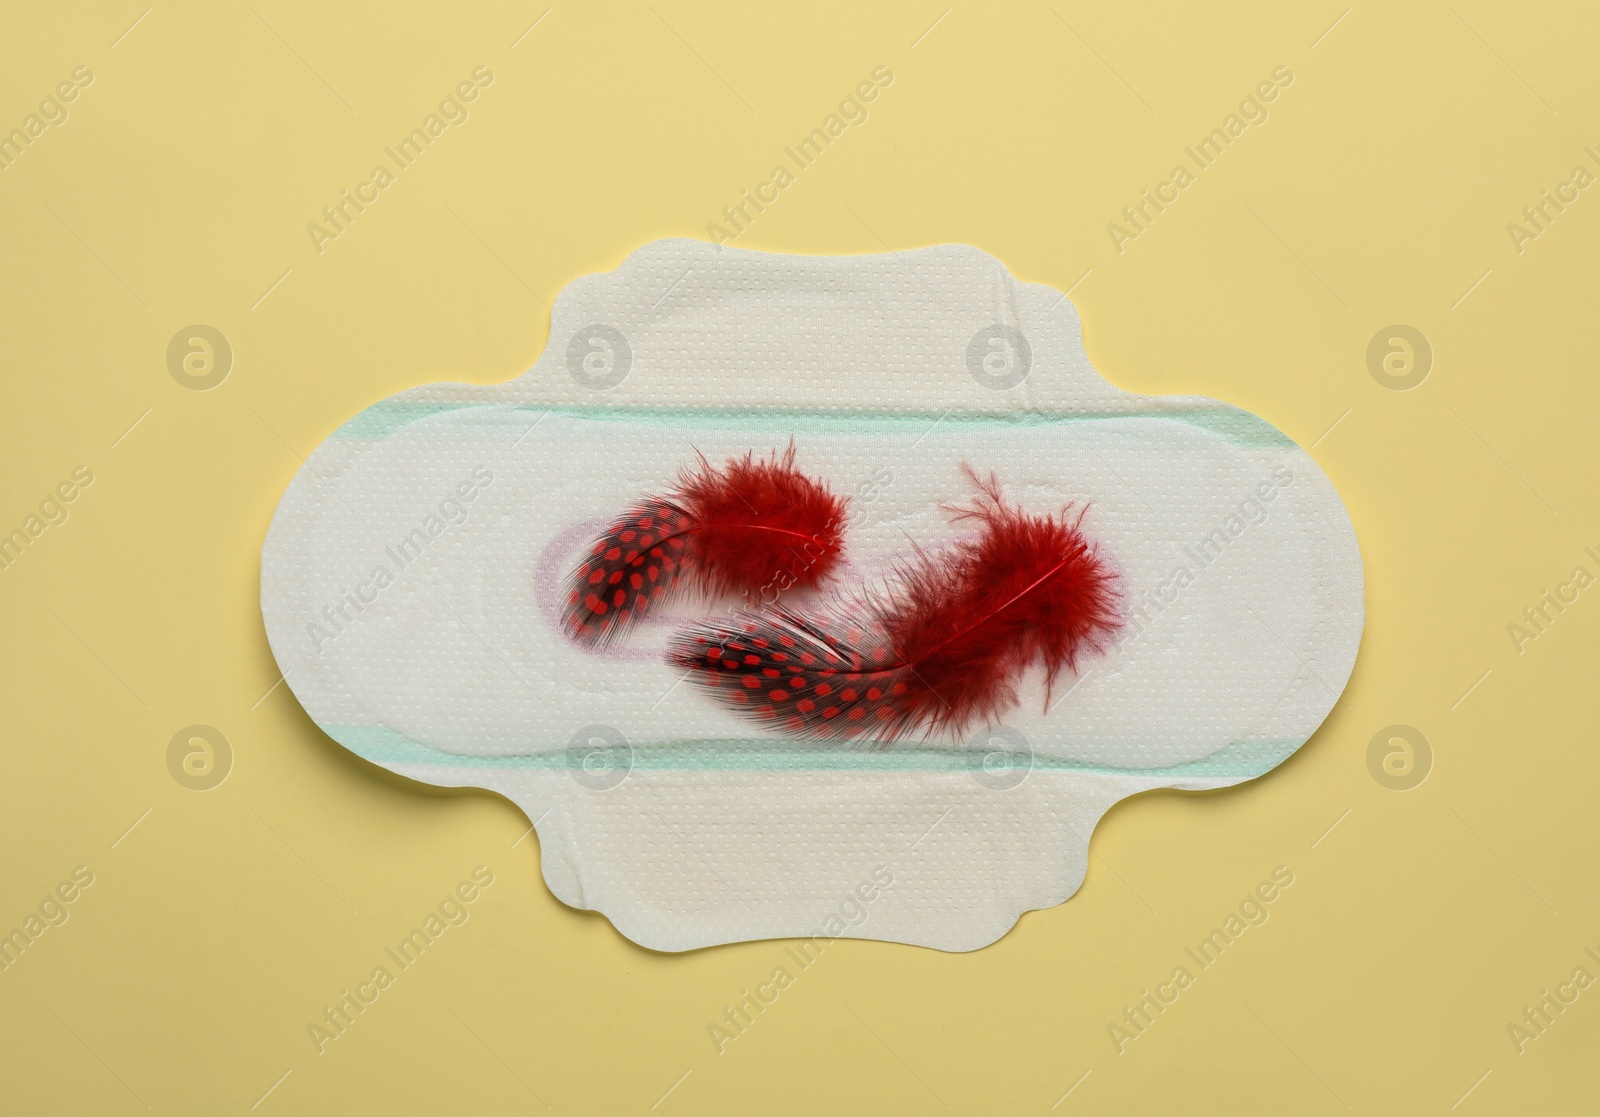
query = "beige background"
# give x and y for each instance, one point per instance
(220, 924)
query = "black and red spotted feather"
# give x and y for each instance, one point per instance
(752, 527)
(940, 649)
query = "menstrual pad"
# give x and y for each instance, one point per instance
(412, 587)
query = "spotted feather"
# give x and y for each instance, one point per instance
(751, 527)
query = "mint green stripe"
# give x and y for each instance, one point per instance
(383, 419)
(382, 745)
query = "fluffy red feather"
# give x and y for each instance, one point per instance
(753, 526)
(939, 649)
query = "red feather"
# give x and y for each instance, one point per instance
(750, 527)
(940, 649)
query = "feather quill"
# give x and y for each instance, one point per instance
(940, 648)
(751, 526)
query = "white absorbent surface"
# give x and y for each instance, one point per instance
(411, 591)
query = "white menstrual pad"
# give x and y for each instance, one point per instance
(411, 578)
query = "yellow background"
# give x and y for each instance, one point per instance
(1377, 193)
